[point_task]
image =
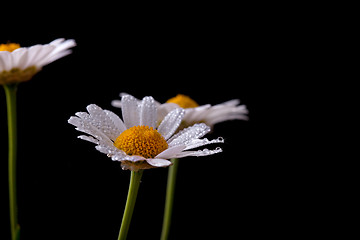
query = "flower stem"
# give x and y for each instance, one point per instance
(130, 203)
(10, 91)
(169, 202)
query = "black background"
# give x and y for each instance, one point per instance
(68, 190)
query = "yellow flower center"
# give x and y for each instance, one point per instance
(142, 141)
(183, 101)
(9, 47)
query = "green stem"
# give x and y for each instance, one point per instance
(169, 202)
(130, 203)
(10, 91)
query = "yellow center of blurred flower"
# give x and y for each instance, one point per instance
(142, 141)
(183, 101)
(9, 47)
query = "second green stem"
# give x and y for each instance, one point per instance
(10, 92)
(169, 202)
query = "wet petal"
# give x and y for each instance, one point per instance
(199, 153)
(148, 112)
(171, 122)
(130, 111)
(188, 134)
(171, 152)
(156, 162)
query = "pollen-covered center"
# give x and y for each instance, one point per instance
(142, 141)
(183, 101)
(9, 47)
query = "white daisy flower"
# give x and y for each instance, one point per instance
(210, 115)
(20, 64)
(136, 141)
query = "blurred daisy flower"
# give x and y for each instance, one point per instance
(210, 115)
(20, 64)
(137, 141)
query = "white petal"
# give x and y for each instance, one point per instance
(5, 61)
(20, 57)
(116, 120)
(228, 117)
(123, 94)
(148, 112)
(200, 153)
(2, 62)
(53, 57)
(111, 151)
(232, 103)
(193, 115)
(133, 158)
(164, 109)
(156, 162)
(171, 152)
(225, 113)
(62, 45)
(102, 121)
(85, 126)
(202, 142)
(61, 49)
(171, 122)
(88, 138)
(130, 111)
(57, 41)
(188, 134)
(37, 54)
(116, 103)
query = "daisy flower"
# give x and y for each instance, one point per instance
(210, 115)
(137, 141)
(193, 114)
(20, 64)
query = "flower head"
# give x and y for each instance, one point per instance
(183, 101)
(136, 141)
(210, 115)
(20, 64)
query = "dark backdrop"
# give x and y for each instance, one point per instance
(68, 190)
